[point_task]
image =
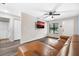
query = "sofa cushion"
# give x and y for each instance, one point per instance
(64, 37)
(39, 48)
(26, 53)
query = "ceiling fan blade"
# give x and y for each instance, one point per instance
(55, 14)
(67, 11)
(43, 17)
(46, 14)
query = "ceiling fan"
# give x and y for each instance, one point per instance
(50, 13)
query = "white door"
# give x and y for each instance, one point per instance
(17, 29)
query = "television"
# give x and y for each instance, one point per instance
(40, 24)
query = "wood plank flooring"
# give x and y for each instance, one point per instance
(8, 48)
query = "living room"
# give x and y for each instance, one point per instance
(29, 22)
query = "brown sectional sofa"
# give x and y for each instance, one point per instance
(65, 49)
(64, 46)
(38, 48)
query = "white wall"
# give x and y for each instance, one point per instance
(4, 29)
(29, 32)
(68, 26)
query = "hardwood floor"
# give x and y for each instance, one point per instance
(8, 48)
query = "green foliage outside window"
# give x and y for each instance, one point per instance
(54, 27)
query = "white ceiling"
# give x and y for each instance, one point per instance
(38, 9)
